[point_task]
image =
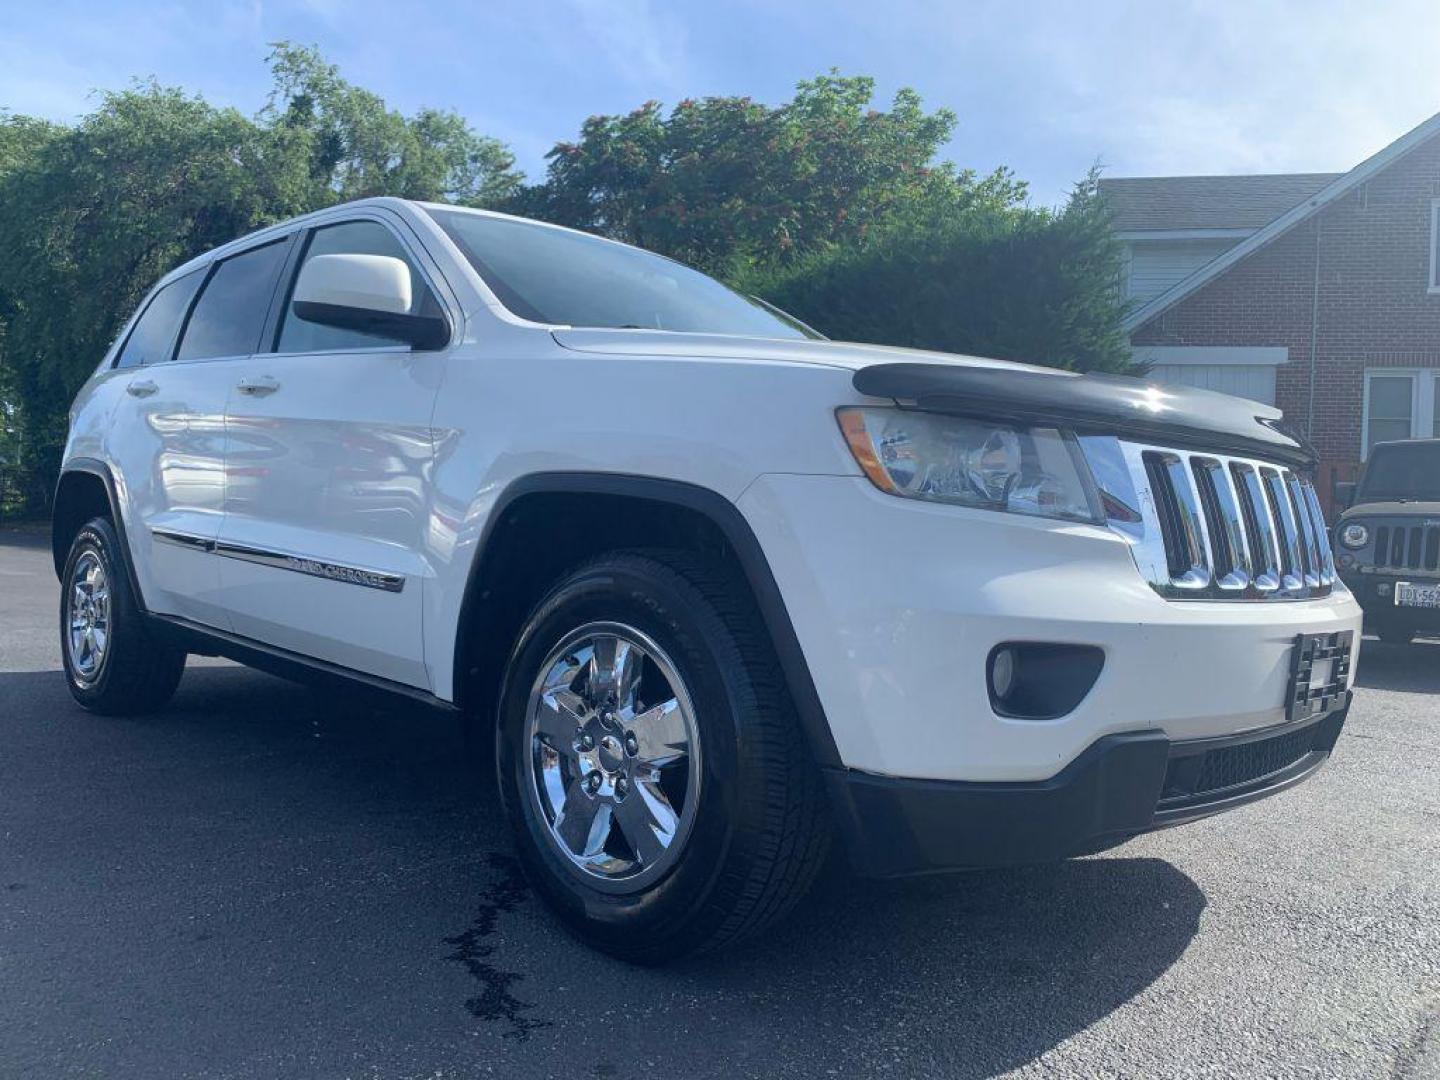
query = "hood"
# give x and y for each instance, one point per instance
(1427, 510)
(945, 382)
(844, 355)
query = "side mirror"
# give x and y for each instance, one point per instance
(368, 293)
(1345, 493)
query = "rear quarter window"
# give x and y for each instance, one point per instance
(152, 339)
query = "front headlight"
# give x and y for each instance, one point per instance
(980, 463)
(1354, 535)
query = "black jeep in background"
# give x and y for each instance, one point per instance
(1388, 539)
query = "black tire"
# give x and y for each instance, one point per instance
(760, 831)
(135, 674)
(1393, 634)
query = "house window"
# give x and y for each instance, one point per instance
(1435, 245)
(1400, 405)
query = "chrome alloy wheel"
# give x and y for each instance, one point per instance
(87, 617)
(613, 756)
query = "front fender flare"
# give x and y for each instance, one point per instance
(731, 523)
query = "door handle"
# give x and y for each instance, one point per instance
(141, 388)
(259, 386)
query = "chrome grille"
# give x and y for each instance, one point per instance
(1214, 527)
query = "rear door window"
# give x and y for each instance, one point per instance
(230, 314)
(352, 238)
(153, 337)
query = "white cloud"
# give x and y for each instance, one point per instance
(57, 68)
(1145, 86)
(1215, 88)
(42, 90)
(643, 43)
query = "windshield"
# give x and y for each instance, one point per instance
(1404, 471)
(553, 275)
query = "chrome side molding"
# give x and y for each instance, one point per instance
(279, 560)
(183, 540)
(350, 575)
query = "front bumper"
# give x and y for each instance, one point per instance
(1120, 786)
(898, 604)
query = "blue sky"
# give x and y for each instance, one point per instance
(1157, 88)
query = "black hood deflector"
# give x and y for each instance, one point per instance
(1092, 404)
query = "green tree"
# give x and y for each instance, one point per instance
(726, 183)
(21, 138)
(91, 215)
(356, 147)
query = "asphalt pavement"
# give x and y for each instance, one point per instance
(270, 881)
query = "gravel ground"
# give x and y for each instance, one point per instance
(270, 881)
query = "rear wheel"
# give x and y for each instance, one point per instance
(652, 767)
(113, 664)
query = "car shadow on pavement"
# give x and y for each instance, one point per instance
(318, 794)
(988, 970)
(27, 535)
(1413, 668)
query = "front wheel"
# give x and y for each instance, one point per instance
(651, 764)
(113, 664)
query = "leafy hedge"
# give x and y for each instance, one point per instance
(1032, 286)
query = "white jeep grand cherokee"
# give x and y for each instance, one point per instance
(722, 588)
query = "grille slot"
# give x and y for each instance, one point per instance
(1218, 519)
(1214, 527)
(1286, 528)
(1306, 539)
(1234, 766)
(1324, 551)
(1251, 761)
(1164, 493)
(1176, 504)
(1407, 547)
(1259, 527)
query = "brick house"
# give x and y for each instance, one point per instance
(1319, 293)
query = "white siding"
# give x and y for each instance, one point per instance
(1157, 265)
(1254, 381)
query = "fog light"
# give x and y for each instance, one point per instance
(1383, 588)
(1002, 673)
(1345, 560)
(1040, 680)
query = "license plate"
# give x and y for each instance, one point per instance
(1321, 672)
(1408, 594)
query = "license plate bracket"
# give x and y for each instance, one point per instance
(1319, 673)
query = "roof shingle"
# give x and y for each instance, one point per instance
(1207, 202)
